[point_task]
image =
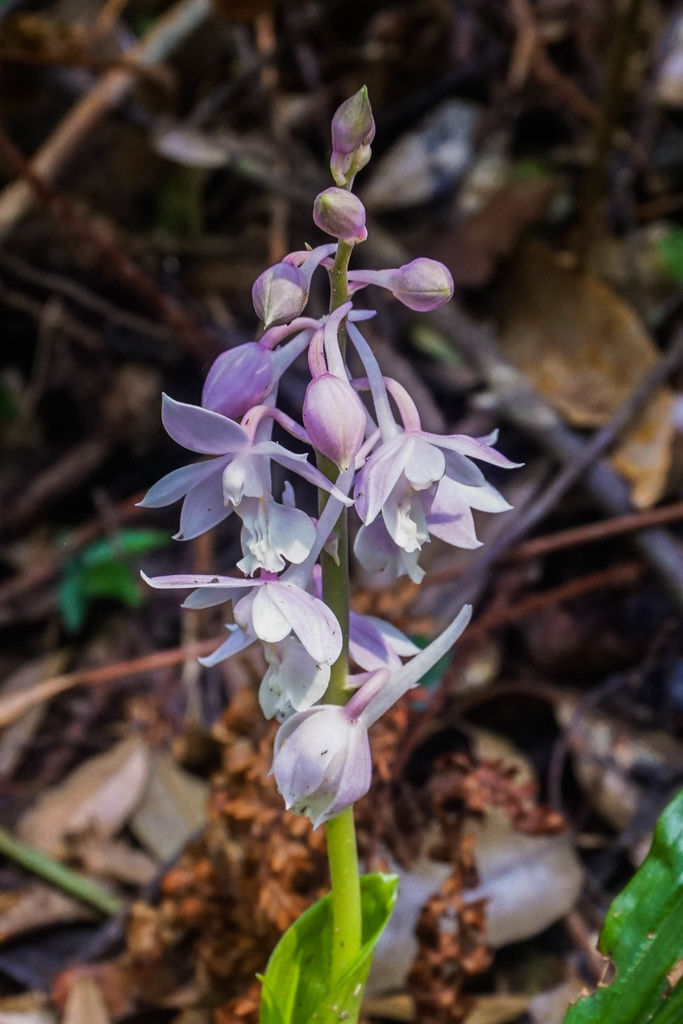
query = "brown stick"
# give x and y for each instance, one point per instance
(14, 705)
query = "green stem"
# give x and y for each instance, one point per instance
(51, 870)
(341, 835)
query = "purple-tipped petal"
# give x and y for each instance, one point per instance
(203, 507)
(177, 483)
(201, 430)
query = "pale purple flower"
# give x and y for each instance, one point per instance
(340, 213)
(321, 758)
(239, 468)
(270, 610)
(322, 762)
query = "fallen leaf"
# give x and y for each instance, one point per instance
(171, 810)
(114, 859)
(15, 738)
(550, 1007)
(85, 1003)
(497, 1009)
(98, 796)
(37, 906)
(586, 350)
(529, 881)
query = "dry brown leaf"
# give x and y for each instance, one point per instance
(99, 796)
(497, 1009)
(37, 906)
(85, 1003)
(172, 809)
(114, 859)
(586, 350)
(16, 736)
(529, 881)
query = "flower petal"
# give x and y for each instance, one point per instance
(177, 483)
(204, 597)
(375, 644)
(298, 463)
(379, 476)
(201, 430)
(181, 582)
(237, 641)
(312, 621)
(203, 508)
(472, 446)
(425, 466)
(269, 622)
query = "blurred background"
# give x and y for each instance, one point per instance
(154, 159)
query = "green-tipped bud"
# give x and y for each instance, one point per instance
(353, 129)
(340, 214)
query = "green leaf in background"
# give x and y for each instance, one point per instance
(296, 986)
(643, 935)
(670, 250)
(103, 569)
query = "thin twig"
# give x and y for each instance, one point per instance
(14, 705)
(197, 339)
(165, 36)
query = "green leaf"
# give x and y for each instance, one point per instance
(643, 935)
(102, 570)
(670, 251)
(296, 986)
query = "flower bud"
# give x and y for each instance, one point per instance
(334, 417)
(321, 762)
(422, 284)
(279, 294)
(353, 129)
(340, 213)
(239, 379)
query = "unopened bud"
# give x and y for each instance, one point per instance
(334, 417)
(279, 294)
(239, 379)
(340, 213)
(422, 284)
(353, 129)
(321, 762)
